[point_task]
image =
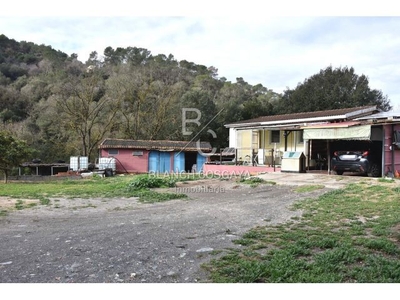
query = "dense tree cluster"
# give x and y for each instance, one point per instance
(13, 152)
(332, 89)
(62, 106)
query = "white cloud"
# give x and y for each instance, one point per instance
(237, 8)
(278, 52)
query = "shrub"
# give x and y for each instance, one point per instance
(148, 182)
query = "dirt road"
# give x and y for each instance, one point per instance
(122, 240)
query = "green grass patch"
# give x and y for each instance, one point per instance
(255, 181)
(345, 235)
(396, 190)
(141, 187)
(83, 188)
(147, 182)
(385, 180)
(108, 187)
(19, 205)
(44, 201)
(148, 196)
(308, 188)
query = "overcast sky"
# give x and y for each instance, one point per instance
(260, 44)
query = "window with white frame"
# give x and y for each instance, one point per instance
(275, 136)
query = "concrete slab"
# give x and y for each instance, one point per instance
(329, 181)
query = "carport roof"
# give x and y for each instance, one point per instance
(382, 116)
(162, 145)
(349, 132)
(333, 125)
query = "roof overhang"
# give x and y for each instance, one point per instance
(333, 125)
(288, 120)
(272, 127)
(332, 132)
(292, 123)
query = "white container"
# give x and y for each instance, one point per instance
(74, 163)
(77, 163)
(107, 163)
(83, 162)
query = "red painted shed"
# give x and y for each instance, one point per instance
(162, 156)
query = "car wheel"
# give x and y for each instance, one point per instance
(339, 172)
(374, 171)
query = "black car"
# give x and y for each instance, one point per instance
(357, 157)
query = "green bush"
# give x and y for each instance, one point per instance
(148, 182)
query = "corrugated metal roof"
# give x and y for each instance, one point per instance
(163, 145)
(333, 125)
(307, 115)
(382, 115)
(228, 151)
(32, 164)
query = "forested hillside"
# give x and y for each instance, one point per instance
(62, 106)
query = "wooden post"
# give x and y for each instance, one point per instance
(236, 153)
(285, 134)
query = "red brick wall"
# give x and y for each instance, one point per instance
(388, 152)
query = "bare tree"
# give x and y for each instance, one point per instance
(86, 109)
(148, 105)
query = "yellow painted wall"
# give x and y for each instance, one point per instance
(293, 143)
(244, 143)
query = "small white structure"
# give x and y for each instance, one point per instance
(293, 162)
(107, 163)
(78, 163)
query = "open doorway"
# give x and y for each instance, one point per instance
(190, 160)
(318, 155)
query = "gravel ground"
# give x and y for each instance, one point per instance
(122, 240)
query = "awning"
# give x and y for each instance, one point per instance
(333, 132)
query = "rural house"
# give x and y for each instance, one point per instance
(264, 141)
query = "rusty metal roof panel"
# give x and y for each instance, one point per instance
(162, 145)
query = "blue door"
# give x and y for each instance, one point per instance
(179, 162)
(200, 162)
(165, 162)
(154, 161)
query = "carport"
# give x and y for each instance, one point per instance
(342, 131)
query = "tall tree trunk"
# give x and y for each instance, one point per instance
(5, 176)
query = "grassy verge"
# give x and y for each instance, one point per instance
(109, 187)
(84, 188)
(347, 235)
(255, 181)
(308, 188)
(141, 187)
